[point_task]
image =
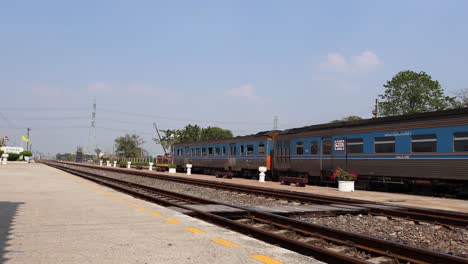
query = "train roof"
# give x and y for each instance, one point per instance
(262, 134)
(379, 121)
(341, 124)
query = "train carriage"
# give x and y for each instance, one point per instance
(427, 148)
(409, 150)
(242, 155)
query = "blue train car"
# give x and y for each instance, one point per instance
(242, 155)
(426, 149)
(420, 149)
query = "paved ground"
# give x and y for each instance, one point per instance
(390, 198)
(48, 216)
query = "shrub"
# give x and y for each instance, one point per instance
(26, 153)
(13, 156)
(172, 166)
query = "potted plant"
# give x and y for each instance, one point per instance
(172, 168)
(345, 179)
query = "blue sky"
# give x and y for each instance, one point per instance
(234, 64)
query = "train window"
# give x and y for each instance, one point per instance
(384, 144)
(217, 151)
(424, 143)
(261, 148)
(460, 141)
(223, 151)
(326, 147)
(232, 150)
(313, 147)
(250, 149)
(242, 149)
(300, 148)
(203, 151)
(354, 145)
(210, 151)
(198, 151)
(193, 152)
(187, 151)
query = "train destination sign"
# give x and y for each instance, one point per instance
(340, 144)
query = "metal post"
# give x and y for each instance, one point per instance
(27, 142)
(346, 152)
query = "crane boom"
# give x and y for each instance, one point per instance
(159, 136)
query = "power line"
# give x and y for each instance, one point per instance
(43, 109)
(7, 120)
(178, 119)
(52, 118)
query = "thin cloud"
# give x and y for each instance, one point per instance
(100, 87)
(366, 60)
(334, 61)
(362, 62)
(244, 91)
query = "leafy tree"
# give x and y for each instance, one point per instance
(214, 133)
(65, 156)
(98, 152)
(169, 138)
(129, 146)
(193, 133)
(411, 92)
(462, 95)
(348, 118)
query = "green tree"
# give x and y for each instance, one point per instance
(411, 92)
(462, 96)
(193, 133)
(65, 156)
(129, 146)
(214, 133)
(348, 118)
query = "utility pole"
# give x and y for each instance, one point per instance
(376, 110)
(27, 135)
(275, 123)
(92, 144)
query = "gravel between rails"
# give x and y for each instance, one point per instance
(443, 239)
(438, 238)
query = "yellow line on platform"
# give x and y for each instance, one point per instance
(156, 214)
(265, 259)
(172, 221)
(224, 242)
(194, 230)
(141, 208)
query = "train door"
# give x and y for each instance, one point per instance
(232, 164)
(326, 156)
(282, 154)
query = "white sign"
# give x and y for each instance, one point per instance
(15, 150)
(340, 144)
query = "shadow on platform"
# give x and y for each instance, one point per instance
(8, 212)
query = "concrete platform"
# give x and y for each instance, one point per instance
(48, 216)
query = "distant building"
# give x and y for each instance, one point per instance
(15, 150)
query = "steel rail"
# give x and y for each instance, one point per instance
(412, 213)
(294, 245)
(363, 242)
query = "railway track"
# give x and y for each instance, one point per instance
(411, 213)
(324, 243)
